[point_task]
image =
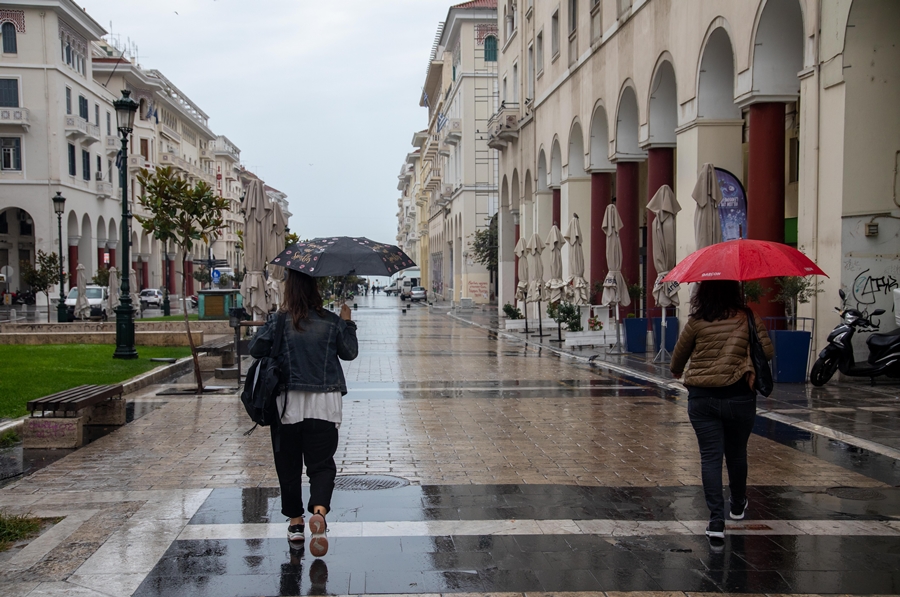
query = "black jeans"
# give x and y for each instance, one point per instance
(723, 427)
(314, 442)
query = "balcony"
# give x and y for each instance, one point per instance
(14, 117)
(79, 128)
(503, 126)
(103, 189)
(226, 151)
(453, 131)
(136, 161)
(432, 144)
(113, 144)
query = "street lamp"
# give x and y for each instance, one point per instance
(59, 206)
(167, 307)
(125, 110)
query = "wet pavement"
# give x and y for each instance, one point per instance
(497, 467)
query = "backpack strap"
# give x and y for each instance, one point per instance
(279, 334)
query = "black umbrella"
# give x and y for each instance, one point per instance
(343, 256)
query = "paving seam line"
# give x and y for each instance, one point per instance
(179, 367)
(826, 432)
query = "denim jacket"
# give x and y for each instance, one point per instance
(309, 359)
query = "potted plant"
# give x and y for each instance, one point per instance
(512, 312)
(792, 345)
(11, 462)
(635, 327)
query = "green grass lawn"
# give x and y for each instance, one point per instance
(191, 317)
(29, 372)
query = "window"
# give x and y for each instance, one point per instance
(83, 107)
(596, 20)
(97, 114)
(9, 93)
(71, 160)
(573, 16)
(515, 83)
(539, 53)
(10, 153)
(108, 123)
(510, 12)
(529, 92)
(490, 49)
(8, 31)
(99, 168)
(68, 101)
(503, 96)
(624, 6)
(554, 35)
(68, 53)
(85, 165)
(109, 165)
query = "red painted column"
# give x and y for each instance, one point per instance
(627, 186)
(112, 257)
(765, 186)
(101, 253)
(145, 275)
(189, 272)
(72, 266)
(172, 284)
(516, 240)
(601, 197)
(557, 206)
(660, 171)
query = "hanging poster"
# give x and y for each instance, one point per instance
(733, 208)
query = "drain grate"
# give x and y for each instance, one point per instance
(368, 482)
(855, 493)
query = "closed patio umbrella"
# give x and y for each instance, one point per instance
(708, 195)
(615, 291)
(82, 306)
(664, 206)
(135, 290)
(276, 272)
(555, 284)
(537, 291)
(580, 292)
(522, 254)
(113, 300)
(257, 243)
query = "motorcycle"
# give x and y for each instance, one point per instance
(884, 349)
(26, 297)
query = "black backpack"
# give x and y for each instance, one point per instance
(263, 383)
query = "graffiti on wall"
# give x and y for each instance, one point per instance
(868, 288)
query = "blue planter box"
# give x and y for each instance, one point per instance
(636, 334)
(671, 333)
(791, 360)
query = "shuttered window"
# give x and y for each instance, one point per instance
(490, 49)
(8, 31)
(9, 93)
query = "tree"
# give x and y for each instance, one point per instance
(484, 246)
(101, 278)
(202, 275)
(183, 215)
(290, 238)
(42, 277)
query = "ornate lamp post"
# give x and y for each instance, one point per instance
(125, 109)
(167, 307)
(59, 206)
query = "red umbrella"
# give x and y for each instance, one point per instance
(743, 260)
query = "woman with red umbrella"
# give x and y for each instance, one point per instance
(721, 398)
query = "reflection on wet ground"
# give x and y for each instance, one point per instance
(571, 539)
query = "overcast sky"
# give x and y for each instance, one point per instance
(321, 96)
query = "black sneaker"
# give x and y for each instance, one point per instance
(738, 510)
(716, 529)
(295, 533)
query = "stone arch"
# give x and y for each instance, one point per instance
(515, 194)
(19, 230)
(628, 123)
(555, 164)
(542, 182)
(715, 78)
(600, 140)
(576, 167)
(662, 106)
(526, 214)
(72, 224)
(776, 50)
(504, 193)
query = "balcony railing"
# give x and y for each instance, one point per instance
(15, 116)
(453, 131)
(103, 189)
(113, 144)
(503, 126)
(136, 161)
(226, 151)
(79, 128)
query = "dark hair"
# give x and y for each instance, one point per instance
(301, 294)
(716, 300)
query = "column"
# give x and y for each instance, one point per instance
(145, 271)
(556, 214)
(765, 186)
(112, 254)
(172, 284)
(601, 196)
(627, 186)
(101, 253)
(660, 171)
(189, 272)
(516, 236)
(72, 264)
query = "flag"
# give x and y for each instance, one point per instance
(149, 111)
(425, 94)
(441, 121)
(156, 114)
(120, 160)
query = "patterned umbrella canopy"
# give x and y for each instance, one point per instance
(576, 263)
(343, 256)
(522, 253)
(555, 284)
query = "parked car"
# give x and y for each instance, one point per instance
(392, 289)
(151, 297)
(97, 297)
(418, 293)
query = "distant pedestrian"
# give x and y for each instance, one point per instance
(721, 398)
(314, 342)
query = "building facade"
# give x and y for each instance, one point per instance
(456, 171)
(798, 99)
(58, 79)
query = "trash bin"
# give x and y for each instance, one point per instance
(791, 361)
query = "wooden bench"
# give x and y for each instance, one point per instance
(220, 347)
(69, 411)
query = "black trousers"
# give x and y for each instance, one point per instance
(314, 442)
(723, 427)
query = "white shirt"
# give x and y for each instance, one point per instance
(327, 406)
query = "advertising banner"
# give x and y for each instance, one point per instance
(733, 208)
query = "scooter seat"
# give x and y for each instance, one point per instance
(884, 340)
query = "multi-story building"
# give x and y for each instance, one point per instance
(410, 214)
(798, 99)
(58, 133)
(456, 170)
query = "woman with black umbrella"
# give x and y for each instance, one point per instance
(314, 343)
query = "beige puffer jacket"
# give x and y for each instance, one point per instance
(718, 351)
